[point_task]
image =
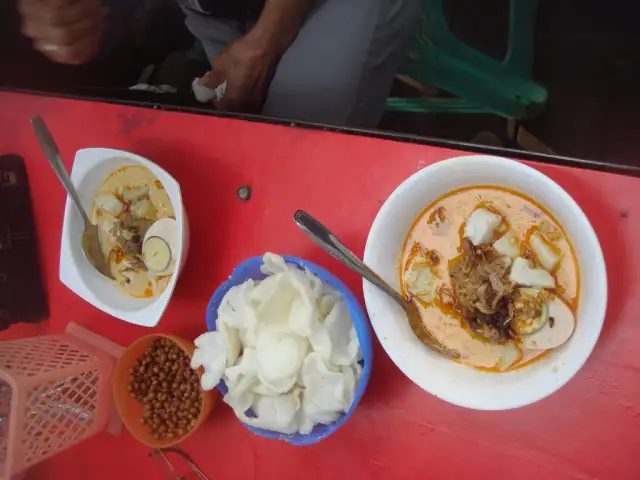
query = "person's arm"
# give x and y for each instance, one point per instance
(279, 24)
(247, 64)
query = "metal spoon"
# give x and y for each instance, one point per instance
(322, 237)
(90, 243)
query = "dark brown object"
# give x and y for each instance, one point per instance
(437, 217)
(552, 322)
(480, 283)
(163, 381)
(129, 232)
(22, 296)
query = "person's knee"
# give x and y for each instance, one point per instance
(340, 69)
(326, 98)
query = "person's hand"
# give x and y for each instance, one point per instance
(247, 68)
(66, 31)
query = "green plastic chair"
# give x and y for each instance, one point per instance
(480, 83)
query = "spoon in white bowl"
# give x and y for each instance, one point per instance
(90, 242)
(322, 237)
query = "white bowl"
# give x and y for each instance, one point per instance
(91, 167)
(450, 381)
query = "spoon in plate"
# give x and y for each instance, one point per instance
(90, 242)
(322, 237)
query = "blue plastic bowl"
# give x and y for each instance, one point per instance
(251, 269)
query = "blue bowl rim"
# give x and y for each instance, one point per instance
(360, 322)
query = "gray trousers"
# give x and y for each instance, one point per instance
(339, 69)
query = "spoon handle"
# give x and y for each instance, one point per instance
(322, 237)
(50, 149)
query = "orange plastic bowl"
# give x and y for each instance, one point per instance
(130, 409)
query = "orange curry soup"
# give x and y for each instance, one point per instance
(439, 227)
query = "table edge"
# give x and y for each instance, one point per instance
(553, 159)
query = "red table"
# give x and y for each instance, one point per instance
(589, 429)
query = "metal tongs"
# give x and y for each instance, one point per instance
(169, 468)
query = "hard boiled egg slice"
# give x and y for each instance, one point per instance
(523, 274)
(156, 254)
(557, 329)
(481, 225)
(521, 324)
(160, 246)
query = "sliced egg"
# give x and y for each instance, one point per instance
(508, 244)
(160, 246)
(156, 254)
(557, 329)
(527, 326)
(523, 274)
(481, 225)
(544, 251)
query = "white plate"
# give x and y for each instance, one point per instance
(459, 384)
(91, 167)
